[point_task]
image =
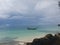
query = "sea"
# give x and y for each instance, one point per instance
(25, 35)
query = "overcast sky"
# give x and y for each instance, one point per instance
(29, 12)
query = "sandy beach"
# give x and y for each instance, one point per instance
(21, 41)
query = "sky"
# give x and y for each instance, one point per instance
(29, 12)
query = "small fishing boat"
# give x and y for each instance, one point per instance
(31, 28)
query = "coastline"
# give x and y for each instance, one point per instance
(48, 39)
(22, 41)
(30, 38)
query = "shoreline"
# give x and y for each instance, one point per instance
(48, 39)
(29, 39)
(24, 40)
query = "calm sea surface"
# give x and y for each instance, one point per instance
(27, 35)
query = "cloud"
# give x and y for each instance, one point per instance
(50, 12)
(30, 11)
(16, 17)
(4, 16)
(20, 6)
(42, 4)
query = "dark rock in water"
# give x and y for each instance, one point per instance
(58, 24)
(49, 39)
(59, 3)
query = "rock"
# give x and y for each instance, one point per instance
(48, 36)
(49, 39)
(57, 35)
(57, 41)
(28, 43)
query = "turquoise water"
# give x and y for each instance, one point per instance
(27, 35)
